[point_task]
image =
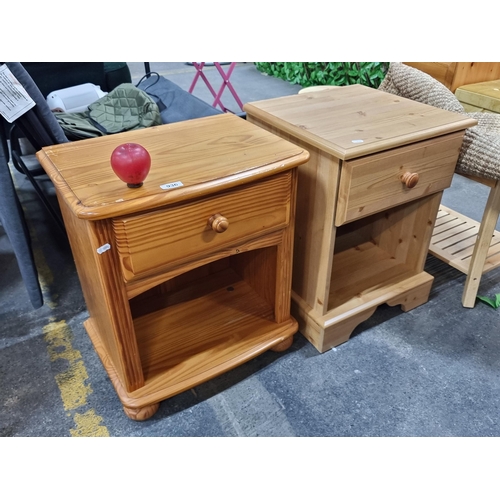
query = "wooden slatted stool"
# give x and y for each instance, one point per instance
(469, 246)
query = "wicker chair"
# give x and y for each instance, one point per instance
(468, 246)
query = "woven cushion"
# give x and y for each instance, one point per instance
(480, 152)
(418, 86)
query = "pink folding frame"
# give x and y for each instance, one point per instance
(225, 83)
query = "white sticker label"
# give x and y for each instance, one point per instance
(14, 100)
(172, 185)
(104, 248)
(357, 141)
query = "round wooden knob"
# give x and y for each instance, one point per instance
(218, 223)
(409, 180)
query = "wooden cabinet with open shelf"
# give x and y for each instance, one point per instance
(184, 284)
(366, 203)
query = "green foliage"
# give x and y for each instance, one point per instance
(308, 74)
(495, 303)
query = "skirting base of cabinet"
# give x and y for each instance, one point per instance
(336, 326)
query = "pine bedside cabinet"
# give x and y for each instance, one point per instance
(366, 202)
(189, 275)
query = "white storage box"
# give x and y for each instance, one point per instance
(74, 99)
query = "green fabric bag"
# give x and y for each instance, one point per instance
(124, 108)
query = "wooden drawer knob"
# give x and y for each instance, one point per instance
(218, 223)
(409, 180)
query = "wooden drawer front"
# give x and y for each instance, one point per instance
(374, 183)
(148, 242)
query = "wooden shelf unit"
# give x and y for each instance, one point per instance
(186, 283)
(367, 200)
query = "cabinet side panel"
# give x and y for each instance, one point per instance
(284, 263)
(104, 295)
(317, 186)
(258, 269)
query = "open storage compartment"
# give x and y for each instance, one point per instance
(374, 254)
(209, 319)
(378, 259)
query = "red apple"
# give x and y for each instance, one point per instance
(131, 163)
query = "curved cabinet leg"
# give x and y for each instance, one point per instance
(326, 336)
(284, 345)
(342, 330)
(141, 413)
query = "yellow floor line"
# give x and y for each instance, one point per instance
(88, 424)
(72, 382)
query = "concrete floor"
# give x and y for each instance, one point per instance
(434, 371)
